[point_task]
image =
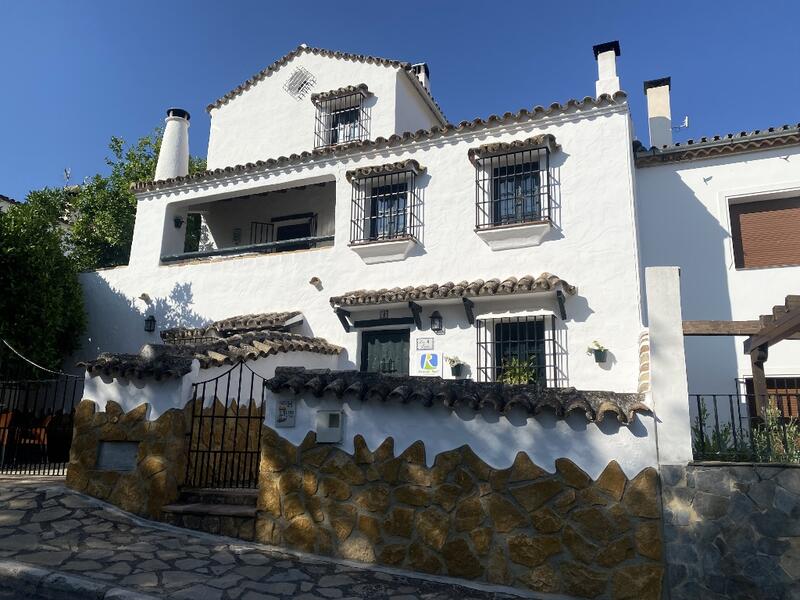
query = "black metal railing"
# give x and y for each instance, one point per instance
(341, 119)
(518, 350)
(385, 207)
(225, 439)
(37, 407)
(513, 188)
(745, 427)
(267, 248)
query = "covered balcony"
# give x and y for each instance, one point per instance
(281, 220)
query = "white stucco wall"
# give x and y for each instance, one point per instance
(495, 438)
(684, 219)
(266, 122)
(593, 245)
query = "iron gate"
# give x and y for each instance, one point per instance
(37, 406)
(225, 440)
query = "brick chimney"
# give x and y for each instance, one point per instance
(606, 56)
(173, 158)
(659, 114)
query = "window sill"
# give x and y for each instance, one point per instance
(381, 251)
(523, 235)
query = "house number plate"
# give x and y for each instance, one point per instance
(425, 343)
(284, 416)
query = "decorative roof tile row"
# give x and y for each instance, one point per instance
(545, 140)
(493, 287)
(224, 327)
(264, 73)
(387, 169)
(348, 90)
(432, 391)
(408, 137)
(709, 147)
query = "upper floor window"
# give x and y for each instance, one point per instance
(386, 203)
(342, 116)
(517, 350)
(512, 183)
(765, 233)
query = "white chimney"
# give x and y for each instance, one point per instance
(173, 158)
(423, 74)
(606, 57)
(659, 115)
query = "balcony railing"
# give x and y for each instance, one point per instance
(745, 427)
(265, 248)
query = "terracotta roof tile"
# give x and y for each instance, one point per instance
(464, 289)
(224, 327)
(406, 138)
(432, 391)
(545, 140)
(387, 169)
(342, 91)
(709, 147)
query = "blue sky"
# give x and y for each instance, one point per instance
(72, 74)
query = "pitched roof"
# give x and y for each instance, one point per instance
(302, 48)
(241, 323)
(464, 289)
(453, 393)
(406, 138)
(718, 145)
(240, 338)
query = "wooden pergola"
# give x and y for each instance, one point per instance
(768, 330)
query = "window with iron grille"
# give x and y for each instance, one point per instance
(385, 207)
(517, 350)
(341, 119)
(512, 188)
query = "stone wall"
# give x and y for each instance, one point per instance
(732, 531)
(521, 526)
(160, 462)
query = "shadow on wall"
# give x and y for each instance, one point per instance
(677, 229)
(117, 321)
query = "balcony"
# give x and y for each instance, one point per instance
(285, 220)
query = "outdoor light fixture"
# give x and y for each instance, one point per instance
(437, 323)
(178, 222)
(150, 324)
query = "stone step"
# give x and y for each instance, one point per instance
(239, 497)
(219, 510)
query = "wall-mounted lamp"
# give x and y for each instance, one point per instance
(437, 323)
(150, 324)
(178, 222)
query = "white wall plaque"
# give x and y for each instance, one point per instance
(285, 412)
(428, 364)
(425, 343)
(117, 456)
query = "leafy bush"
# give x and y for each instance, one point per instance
(518, 371)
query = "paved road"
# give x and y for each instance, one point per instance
(44, 524)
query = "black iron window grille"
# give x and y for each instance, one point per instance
(518, 350)
(513, 188)
(261, 233)
(341, 119)
(385, 207)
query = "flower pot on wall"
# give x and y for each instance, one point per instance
(456, 370)
(600, 356)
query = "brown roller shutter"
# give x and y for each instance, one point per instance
(766, 233)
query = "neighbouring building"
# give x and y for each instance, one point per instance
(6, 203)
(444, 347)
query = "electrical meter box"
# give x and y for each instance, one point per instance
(330, 425)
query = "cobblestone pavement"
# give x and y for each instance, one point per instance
(44, 524)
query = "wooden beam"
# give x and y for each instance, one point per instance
(469, 309)
(561, 308)
(343, 314)
(757, 358)
(416, 311)
(384, 322)
(784, 328)
(712, 328)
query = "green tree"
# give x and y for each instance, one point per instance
(102, 210)
(41, 307)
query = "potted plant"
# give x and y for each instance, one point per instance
(600, 352)
(456, 365)
(516, 371)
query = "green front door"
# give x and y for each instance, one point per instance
(385, 351)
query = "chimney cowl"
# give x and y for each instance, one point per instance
(654, 83)
(178, 112)
(606, 47)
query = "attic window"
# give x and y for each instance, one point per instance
(342, 116)
(299, 83)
